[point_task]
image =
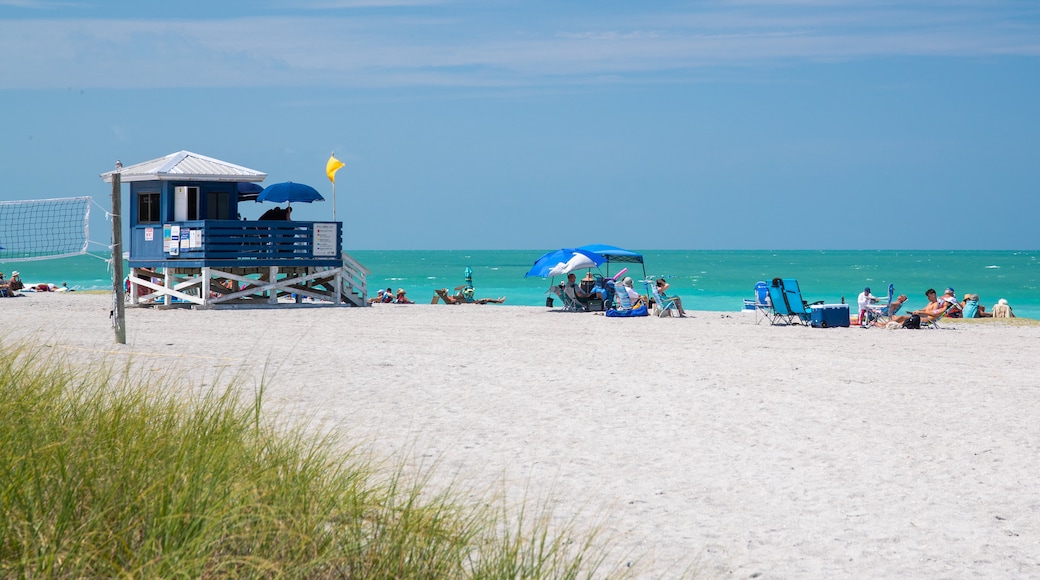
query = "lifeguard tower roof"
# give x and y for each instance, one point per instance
(185, 166)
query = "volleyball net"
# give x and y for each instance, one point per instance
(41, 229)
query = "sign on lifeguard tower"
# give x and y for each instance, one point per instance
(324, 239)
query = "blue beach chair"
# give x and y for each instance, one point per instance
(625, 307)
(786, 302)
(880, 314)
(665, 306)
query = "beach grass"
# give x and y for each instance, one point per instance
(108, 473)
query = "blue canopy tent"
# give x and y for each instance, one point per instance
(614, 254)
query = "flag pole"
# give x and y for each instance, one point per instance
(331, 168)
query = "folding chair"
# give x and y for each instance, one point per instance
(762, 305)
(570, 301)
(934, 322)
(880, 314)
(786, 302)
(663, 306)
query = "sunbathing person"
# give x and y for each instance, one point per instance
(894, 307)
(930, 313)
(463, 295)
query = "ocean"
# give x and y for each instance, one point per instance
(714, 280)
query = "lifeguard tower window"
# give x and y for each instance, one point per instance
(185, 203)
(218, 206)
(148, 207)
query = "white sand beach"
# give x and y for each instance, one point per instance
(708, 443)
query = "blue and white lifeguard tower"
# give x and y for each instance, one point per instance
(189, 247)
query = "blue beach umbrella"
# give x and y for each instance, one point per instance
(248, 191)
(563, 261)
(290, 192)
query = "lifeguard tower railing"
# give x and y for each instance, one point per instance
(232, 262)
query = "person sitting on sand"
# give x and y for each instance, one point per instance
(15, 284)
(1002, 309)
(972, 308)
(401, 298)
(377, 298)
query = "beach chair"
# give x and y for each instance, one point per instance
(879, 314)
(934, 322)
(571, 303)
(662, 306)
(762, 306)
(786, 302)
(623, 300)
(625, 308)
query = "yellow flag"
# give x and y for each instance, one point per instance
(332, 167)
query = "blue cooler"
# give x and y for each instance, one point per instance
(829, 315)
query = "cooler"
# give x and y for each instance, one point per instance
(829, 315)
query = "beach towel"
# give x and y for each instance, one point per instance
(971, 309)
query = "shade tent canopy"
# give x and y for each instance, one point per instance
(614, 254)
(564, 261)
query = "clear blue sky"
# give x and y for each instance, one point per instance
(718, 124)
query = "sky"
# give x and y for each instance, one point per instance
(480, 124)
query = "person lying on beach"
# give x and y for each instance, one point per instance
(463, 295)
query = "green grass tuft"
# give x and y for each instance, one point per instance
(109, 474)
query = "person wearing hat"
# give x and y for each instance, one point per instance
(864, 301)
(1002, 309)
(632, 294)
(948, 301)
(16, 283)
(401, 298)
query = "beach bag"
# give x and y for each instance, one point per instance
(637, 311)
(913, 322)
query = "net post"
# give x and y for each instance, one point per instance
(118, 312)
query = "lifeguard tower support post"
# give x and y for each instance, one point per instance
(188, 245)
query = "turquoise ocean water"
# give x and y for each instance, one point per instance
(714, 280)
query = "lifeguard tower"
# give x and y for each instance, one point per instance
(189, 247)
